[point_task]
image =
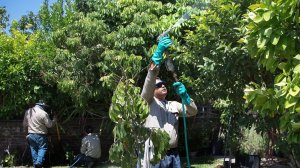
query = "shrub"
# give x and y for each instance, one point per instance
(252, 143)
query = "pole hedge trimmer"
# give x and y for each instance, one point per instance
(170, 66)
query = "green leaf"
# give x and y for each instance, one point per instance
(284, 43)
(275, 40)
(268, 32)
(294, 91)
(260, 100)
(281, 92)
(258, 19)
(296, 125)
(255, 6)
(279, 77)
(267, 15)
(289, 103)
(297, 69)
(261, 42)
(297, 57)
(298, 109)
(282, 65)
(270, 63)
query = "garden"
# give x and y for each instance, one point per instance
(238, 59)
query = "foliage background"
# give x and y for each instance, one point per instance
(240, 56)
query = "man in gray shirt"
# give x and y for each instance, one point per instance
(90, 149)
(164, 114)
(36, 122)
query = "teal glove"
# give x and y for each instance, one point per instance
(163, 43)
(181, 91)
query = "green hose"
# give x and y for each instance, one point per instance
(185, 137)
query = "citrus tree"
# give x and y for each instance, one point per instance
(272, 39)
(215, 65)
(21, 60)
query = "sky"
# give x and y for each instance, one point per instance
(18, 8)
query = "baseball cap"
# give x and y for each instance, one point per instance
(41, 103)
(159, 82)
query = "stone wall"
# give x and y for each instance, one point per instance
(64, 138)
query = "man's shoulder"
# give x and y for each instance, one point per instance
(39, 110)
(95, 135)
(90, 137)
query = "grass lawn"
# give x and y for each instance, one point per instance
(203, 162)
(199, 162)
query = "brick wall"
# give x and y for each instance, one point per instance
(12, 135)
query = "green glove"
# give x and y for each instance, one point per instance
(181, 91)
(163, 43)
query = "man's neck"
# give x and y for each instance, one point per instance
(161, 98)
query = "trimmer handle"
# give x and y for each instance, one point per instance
(170, 67)
(163, 34)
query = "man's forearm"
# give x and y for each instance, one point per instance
(149, 84)
(191, 108)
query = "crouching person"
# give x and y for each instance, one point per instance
(90, 149)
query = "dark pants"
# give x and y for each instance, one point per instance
(38, 146)
(171, 160)
(82, 159)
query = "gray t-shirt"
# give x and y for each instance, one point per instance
(164, 114)
(90, 146)
(36, 120)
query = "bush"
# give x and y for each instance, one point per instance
(252, 143)
(8, 160)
